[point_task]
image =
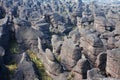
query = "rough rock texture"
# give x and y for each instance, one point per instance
(25, 70)
(95, 45)
(3, 69)
(56, 44)
(101, 61)
(70, 54)
(113, 63)
(70, 37)
(100, 23)
(94, 74)
(81, 68)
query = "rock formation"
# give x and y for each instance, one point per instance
(59, 40)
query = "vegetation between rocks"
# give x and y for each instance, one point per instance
(41, 70)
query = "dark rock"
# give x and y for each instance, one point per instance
(2, 12)
(101, 61)
(25, 70)
(2, 52)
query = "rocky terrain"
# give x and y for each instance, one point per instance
(59, 40)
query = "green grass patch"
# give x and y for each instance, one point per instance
(12, 68)
(41, 69)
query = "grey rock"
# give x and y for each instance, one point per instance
(52, 66)
(70, 54)
(81, 68)
(94, 45)
(94, 74)
(25, 70)
(56, 44)
(112, 66)
(27, 40)
(100, 23)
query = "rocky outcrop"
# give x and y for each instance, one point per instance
(101, 61)
(29, 41)
(52, 66)
(56, 44)
(81, 68)
(70, 54)
(95, 45)
(25, 70)
(112, 66)
(100, 23)
(94, 74)
(69, 37)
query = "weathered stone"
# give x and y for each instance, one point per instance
(56, 44)
(25, 70)
(75, 35)
(100, 23)
(70, 54)
(101, 61)
(95, 45)
(81, 68)
(49, 55)
(112, 66)
(51, 65)
(94, 74)
(27, 40)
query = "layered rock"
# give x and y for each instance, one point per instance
(70, 54)
(95, 45)
(112, 66)
(52, 66)
(81, 68)
(40, 25)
